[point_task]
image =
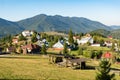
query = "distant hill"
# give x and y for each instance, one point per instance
(115, 34)
(8, 27)
(59, 23)
(45, 23)
(115, 27)
(102, 32)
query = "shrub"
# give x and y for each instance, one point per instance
(88, 54)
(80, 51)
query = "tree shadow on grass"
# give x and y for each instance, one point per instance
(90, 67)
(86, 68)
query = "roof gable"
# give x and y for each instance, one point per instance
(58, 45)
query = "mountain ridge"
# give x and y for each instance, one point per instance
(57, 22)
(9, 27)
(43, 22)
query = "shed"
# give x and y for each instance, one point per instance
(78, 63)
(68, 61)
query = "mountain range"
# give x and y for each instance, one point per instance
(45, 23)
(9, 27)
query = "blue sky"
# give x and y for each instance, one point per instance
(105, 11)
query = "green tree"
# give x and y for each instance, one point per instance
(70, 38)
(99, 54)
(113, 46)
(21, 37)
(80, 51)
(56, 38)
(101, 42)
(65, 50)
(95, 38)
(103, 71)
(43, 51)
(51, 44)
(81, 34)
(88, 53)
(6, 39)
(34, 38)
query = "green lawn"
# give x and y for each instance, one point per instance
(38, 67)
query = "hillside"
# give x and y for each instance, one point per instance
(101, 31)
(115, 34)
(8, 27)
(59, 23)
(45, 23)
(115, 27)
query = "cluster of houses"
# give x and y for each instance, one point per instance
(33, 48)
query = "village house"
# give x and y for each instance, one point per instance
(108, 43)
(31, 48)
(97, 45)
(27, 33)
(58, 46)
(15, 40)
(85, 40)
(76, 37)
(110, 37)
(40, 43)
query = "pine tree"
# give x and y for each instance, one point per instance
(103, 71)
(21, 37)
(51, 44)
(113, 46)
(95, 38)
(70, 38)
(65, 51)
(56, 39)
(34, 38)
(80, 51)
(43, 51)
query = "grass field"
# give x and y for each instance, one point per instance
(38, 67)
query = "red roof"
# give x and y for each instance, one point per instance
(110, 37)
(107, 55)
(30, 46)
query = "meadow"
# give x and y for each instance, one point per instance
(38, 67)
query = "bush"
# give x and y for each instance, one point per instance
(80, 51)
(92, 54)
(99, 54)
(88, 54)
(43, 51)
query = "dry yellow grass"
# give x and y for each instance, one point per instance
(38, 67)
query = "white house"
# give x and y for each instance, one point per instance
(108, 43)
(58, 46)
(27, 33)
(97, 45)
(85, 40)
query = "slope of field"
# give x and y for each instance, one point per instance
(38, 67)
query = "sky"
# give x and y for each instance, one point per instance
(104, 11)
